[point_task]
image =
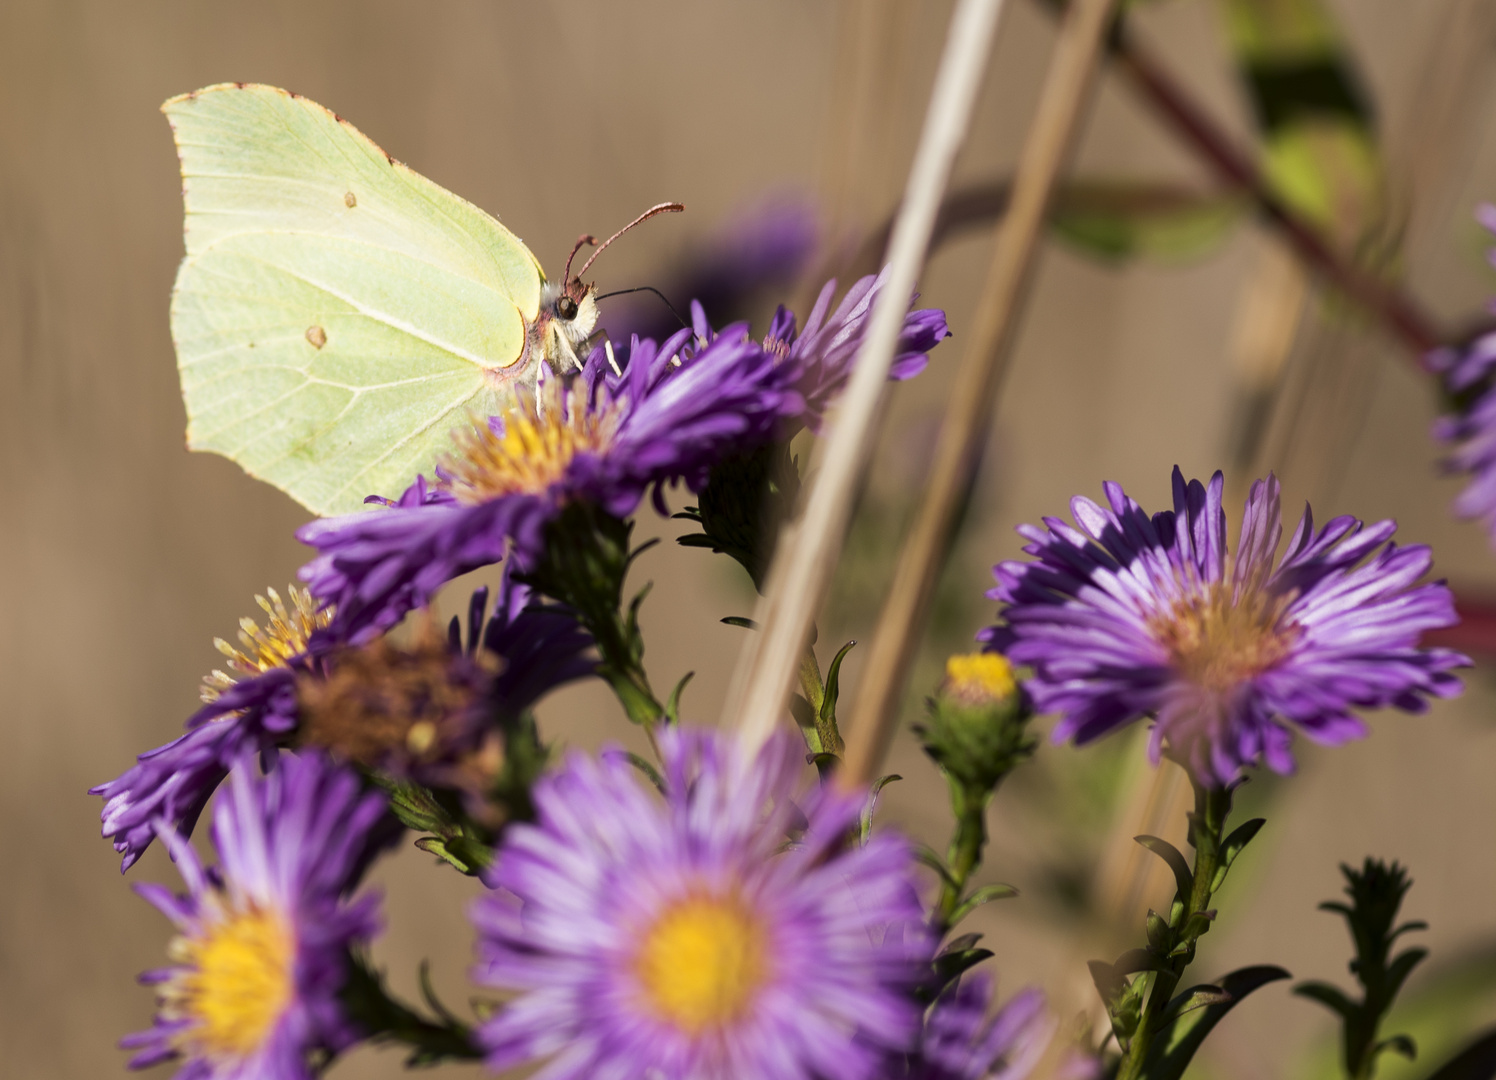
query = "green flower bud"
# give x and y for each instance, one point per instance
(976, 730)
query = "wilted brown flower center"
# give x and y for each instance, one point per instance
(381, 702)
(1217, 642)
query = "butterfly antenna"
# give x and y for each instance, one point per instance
(653, 211)
(582, 241)
(651, 289)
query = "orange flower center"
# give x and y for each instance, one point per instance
(239, 981)
(540, 438)
(287, 629)
(701, 963)
(1217, 642)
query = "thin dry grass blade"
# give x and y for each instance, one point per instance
(801, 573)
(1067, 89)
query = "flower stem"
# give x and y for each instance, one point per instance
(965, 854)
(587, 556)
(384, 1018)
(1190, 918)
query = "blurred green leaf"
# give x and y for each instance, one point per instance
(1119, 220)
(1440, 1013)
(1477, 1061)
(1317, 124)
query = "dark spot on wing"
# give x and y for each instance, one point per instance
(317, 336)
(349, 200)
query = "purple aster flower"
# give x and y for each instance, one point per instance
(604, 439)
(825, 352)
(687, 937)
(1466, 374)
(540, 646)
(961, 1042)
(262, 951)
(247, 709)
(535, 649)
(1127, 615)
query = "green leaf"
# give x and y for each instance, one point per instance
(1440, 1013)
(1398, 1044)
(866, 824)
(416, 807)
(1401, 968)
(925, 854)
(826, 717)
(1194, 928)
(434, 1003)
(802, 711)
(1476, 1061)
(1135, 960)
(1318, 131)
(1123, 1000)
(1240, 837)
(647, 768)
(1196, 997)
(1184, 880)
(672, 706)
(1175, 1044)
(435, 845)
(1110, 983)
(985, 895)
(825, 763)
(1331, 997)
(1158, 931)
(950, 965)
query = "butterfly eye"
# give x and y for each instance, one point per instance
(566, 307)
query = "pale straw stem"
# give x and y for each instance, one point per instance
(801, 572)
(964, 432)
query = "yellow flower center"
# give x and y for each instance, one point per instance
(285, 634)
(541, 437)
(702, 963)
(979, 678)
(239, 983)
(1217, 642)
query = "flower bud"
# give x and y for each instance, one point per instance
(975, 731)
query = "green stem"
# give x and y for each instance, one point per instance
(385, 1018)
(1207, 830)
(586, 558)
(965, 854)
(623, 670)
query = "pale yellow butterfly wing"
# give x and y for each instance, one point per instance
(337, 314)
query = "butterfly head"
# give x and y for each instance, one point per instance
(568, 315)
(568, 312)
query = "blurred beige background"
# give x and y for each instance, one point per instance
(122, 556)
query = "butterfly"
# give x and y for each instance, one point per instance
(338, 315)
